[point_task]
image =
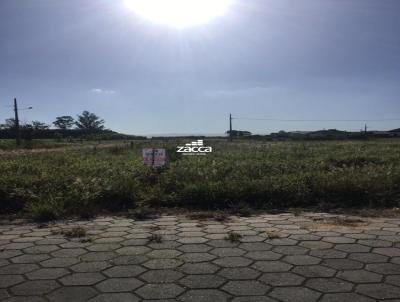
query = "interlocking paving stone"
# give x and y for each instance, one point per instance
(339, 239)
(360, 276)
(368, 257)
(281, 279)
(59, 262)
(375, 243)
(119, 285)
(316, 245)
(10, 280)
(197, 257)
(309, 261)
(384, 268)
(161, 276)
(328, 254)
(254, 299)
(30, 258)
(272, 266)
(256, 246)
(194, 248)
(302, 260)
(298, 294)
(116, 297)
(41, 249)
(227, 252)
(34, 288)
(394, 280)
(345, 297)
(72, 293)
(47, 273)
(90, 267)
(353, 248)
(159, 291)
(263, 255)
(342, 264)
(239, 273)
(133, 250)
(15, 269)
(246, 288)
(204, 295)
(124, 271)
(290, 250)
(232, 262)
(329, 285)
(202, 281)
(163, 263)
(98, 256)
(164, 254)
(379, 291)
(199, 268)
(82, 279)
(69, 253)
(128, 260)
(390, 252)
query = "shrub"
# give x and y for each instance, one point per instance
(45, 211)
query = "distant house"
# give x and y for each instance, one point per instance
(391, 133)
(238, 133)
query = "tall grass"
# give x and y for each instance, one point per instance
(262, 175)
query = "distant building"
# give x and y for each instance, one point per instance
(238, 133)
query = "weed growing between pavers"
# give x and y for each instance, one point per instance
(233, 237)
(155, 238)
(272, 234)
(75, 232)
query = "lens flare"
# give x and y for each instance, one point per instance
(179, 13)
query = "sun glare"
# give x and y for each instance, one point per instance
(179, 13)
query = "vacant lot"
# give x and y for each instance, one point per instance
(236, 175)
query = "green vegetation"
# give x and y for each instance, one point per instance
(88, 126)
(238, 176)
(155, 238)
(233, 237)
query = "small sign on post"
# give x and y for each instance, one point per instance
(154, 157)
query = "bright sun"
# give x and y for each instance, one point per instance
(179, 13)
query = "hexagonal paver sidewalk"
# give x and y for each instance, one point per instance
(280, 257)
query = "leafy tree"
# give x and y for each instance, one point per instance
(10, 124)
(36, 125)
(64, 122)
(89, 121)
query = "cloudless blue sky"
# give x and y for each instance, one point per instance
(289, 59)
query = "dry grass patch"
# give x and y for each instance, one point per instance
(341, 221)
(75, 232)
(272, 234)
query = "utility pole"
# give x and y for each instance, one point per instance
(17, 126)
(230, 127)
(365, 129)
(17, 132)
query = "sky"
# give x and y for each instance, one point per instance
(270, 59)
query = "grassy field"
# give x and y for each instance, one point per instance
(238, 175)
(9, 144)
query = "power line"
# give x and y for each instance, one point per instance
(315, 120)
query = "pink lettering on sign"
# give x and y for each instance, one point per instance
(154, 157)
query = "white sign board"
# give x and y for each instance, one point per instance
(154, 157)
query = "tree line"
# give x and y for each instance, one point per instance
(84, 121)
(86, 125)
